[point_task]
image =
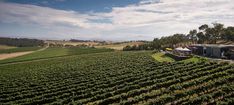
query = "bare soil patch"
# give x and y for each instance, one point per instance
(12, 55)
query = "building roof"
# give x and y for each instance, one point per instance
(213, 45)
(182, 49)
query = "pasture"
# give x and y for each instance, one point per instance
(71, 43)
(119, 46)
(53, 52)
(18, 49)
(2, 47)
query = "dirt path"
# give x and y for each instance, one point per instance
(12, 55)
(41, 59)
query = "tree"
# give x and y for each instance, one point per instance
(218, 30)
(156, 44)
(192, 35)
(21, 42)
(201, 37)
(127, 48)
(203, 33)
(209, 34)
(228, 34)
(203, 27)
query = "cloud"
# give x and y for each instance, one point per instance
(171, 10)
(31, 14)
(142, 21)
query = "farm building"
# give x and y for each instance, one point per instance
(212, 50)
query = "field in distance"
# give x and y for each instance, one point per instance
(116, 78)
(18, 49)
(12, 52)
(119, 46)
(88, 43)
(2, 47)
(52, 52)
(96, 44)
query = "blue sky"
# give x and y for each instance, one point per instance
(79, 5)
(115, 20)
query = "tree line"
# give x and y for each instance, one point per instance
(205, 34)
(21, 42)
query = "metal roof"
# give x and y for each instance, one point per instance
(213, 45)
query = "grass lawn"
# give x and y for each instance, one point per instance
(160, 57)
(19, 49)
(195, 59)
(119, 46)
(2, 47)
(54, 52)
(116, 47)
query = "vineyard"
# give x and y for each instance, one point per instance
(116, 78)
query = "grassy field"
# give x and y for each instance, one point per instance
(72, 43)
(2, 47)
(195, 59)
(19, 49)
(119, 46)
(52, 52)
(116, 47)
(160, 57)
(116, 78)
(110, 45)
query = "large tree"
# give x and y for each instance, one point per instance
(228, 34)
(203, 27)
(156, 44)
(202, 35)
(211, 34)
(192, 35)
(218, 30)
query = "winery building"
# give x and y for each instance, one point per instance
(213, 50)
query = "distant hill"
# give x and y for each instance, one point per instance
(21, 42)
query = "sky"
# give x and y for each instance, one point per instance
(114, 20)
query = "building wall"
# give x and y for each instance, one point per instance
(199, 50)
(213, 52)
(216, 52)
(208, 51)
